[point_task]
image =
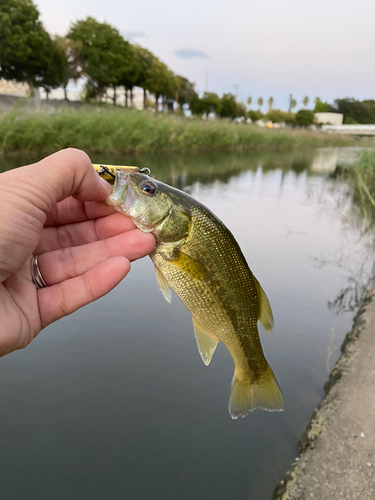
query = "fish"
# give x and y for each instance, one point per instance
(198, 257)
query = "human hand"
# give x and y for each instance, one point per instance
(54, 209)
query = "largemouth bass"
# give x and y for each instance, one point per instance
(198, 257)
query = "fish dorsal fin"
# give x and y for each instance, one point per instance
(206, 344)
(163, 285)
(265, 313)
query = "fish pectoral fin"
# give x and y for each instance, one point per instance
(163, 285)
(206, 344)
(265, 313)
(189, 265)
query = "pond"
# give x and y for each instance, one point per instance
(115, 402)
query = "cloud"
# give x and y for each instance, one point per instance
(190, 53)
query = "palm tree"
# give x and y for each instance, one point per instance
(249, 101)
(293, 104)
(305, 101)
(270, 103)
(260, 102)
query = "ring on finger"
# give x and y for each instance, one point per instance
(36, 275)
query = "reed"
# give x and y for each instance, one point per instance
(361, 177)
(106, 130)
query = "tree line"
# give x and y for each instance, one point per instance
(99, 53)
(94, 50)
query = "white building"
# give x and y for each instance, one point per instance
(328, 119)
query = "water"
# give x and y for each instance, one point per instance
(114, 401)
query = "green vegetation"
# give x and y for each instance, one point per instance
(304, 117)
(27, 52)
(355, 111)
(321, 107)
(109, 129)
(362, 178)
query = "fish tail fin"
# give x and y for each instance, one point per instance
(249, 394)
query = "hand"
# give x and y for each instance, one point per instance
(54, 209)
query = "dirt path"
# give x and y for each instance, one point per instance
(338, 447)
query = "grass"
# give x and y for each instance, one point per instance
(361, 177)
(98, 130)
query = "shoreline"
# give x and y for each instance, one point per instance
(337, 448)
(140, 132)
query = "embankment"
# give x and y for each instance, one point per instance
(338, 447)
(117, 130)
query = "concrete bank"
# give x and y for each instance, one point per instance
(338, 447)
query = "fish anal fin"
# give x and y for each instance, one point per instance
(206, 344)
(163, 285)
(247, 394)
(265, 312)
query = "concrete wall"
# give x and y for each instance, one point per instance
(7, 102)
(329, 118)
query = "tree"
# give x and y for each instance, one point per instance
(292, 103)
(144, 60)
(304, 117)
(277, 116)
(105, 53)
(55, 70)
(131, 75)
(321, 107)
(211, 103)
(249, 101)
(186, 92)
(260, 102)
(254, 115)
(74, 58)
(157, 80)
(306, 101)
(361, 112)
(228, 106)
(25, 46)
(197, 106)
(270, 103)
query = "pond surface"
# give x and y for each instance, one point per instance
(114, 402)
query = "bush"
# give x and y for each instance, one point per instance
(304, 117)
(350, 121)
(277, 116)
(254, 115)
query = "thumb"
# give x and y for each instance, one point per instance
(66, 173)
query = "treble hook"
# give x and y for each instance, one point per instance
(145, 171)
(105, 170)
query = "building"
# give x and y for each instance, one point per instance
(328, 119)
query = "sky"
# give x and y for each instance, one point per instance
(252, 48)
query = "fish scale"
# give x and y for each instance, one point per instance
(198, 257)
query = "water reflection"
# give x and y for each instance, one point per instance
(115, 402)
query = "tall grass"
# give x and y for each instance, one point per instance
(133, 132)
(361, 177)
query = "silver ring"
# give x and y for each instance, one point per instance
(36, 275)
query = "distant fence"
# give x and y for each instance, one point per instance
(360, 130)
(8, 101)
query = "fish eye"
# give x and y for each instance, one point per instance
(148, 187)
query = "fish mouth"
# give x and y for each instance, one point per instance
(123, 197)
